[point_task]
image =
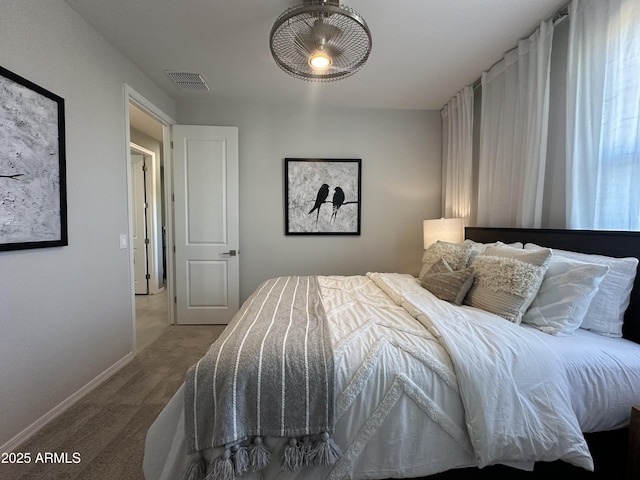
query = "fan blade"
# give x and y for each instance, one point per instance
(304, 43)
(333, 52)
(316, 36)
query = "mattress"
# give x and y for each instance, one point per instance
(604, 374)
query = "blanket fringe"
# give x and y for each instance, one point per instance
(293, 457)
(307, 448)
(222, 467)
(196, 469)
(259, 455)
(325, 452)
(240, 460)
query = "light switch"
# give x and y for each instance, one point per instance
(123, 241)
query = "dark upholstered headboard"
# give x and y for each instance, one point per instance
(609, 243)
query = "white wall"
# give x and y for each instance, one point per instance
(401, 185)
(66, 313)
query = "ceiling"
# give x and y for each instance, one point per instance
(424, 51)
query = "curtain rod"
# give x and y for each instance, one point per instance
(558, 17)
(561, 14)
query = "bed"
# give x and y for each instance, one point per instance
(428, 379)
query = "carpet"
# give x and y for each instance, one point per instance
(101, 437)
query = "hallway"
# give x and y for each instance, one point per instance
(152, 318)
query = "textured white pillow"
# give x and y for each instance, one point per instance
(540, 257)
(606, 311)
(564, 297)
(507, 280)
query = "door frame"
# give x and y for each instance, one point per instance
(131, 96)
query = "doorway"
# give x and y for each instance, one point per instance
(141, 236)
(148, 222)
(214, 281)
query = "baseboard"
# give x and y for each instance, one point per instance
(32, 429)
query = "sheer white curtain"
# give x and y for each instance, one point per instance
(457, 143)
(603, 115)
(513, 134)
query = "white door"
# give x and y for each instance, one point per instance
(139, 213)
(207, 279)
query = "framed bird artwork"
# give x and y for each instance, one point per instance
(33, 210)
(322, 196)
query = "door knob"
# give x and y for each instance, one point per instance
(230, 253)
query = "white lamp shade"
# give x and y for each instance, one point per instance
(444, 229)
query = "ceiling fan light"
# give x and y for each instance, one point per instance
(320, 61)
(305, 33)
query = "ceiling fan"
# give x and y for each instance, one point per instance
(320, 40)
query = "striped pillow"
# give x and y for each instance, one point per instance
(446, 284)
(441, 266)
(455, 254)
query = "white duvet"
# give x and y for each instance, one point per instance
(515, 395)
(422, 387)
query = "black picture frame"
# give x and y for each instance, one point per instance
(322, 196)
(33, 203)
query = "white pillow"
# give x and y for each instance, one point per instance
(606, 311)
(564, 297)
(479, 248)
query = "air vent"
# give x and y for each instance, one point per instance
(188, 80)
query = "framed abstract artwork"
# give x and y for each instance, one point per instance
(33, 208)
(322, 196)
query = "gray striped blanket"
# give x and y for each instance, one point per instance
(270, 373)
